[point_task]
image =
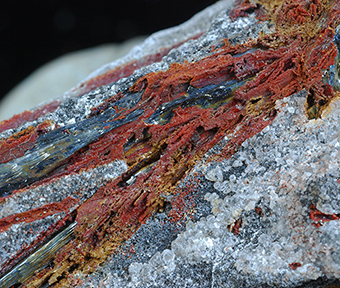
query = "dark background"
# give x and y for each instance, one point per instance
(35, 32)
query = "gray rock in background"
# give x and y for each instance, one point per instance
(54, 78)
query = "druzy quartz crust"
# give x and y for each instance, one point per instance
(211, 160)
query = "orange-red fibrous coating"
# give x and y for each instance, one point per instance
(127, 69)
(259, 211)
(16, 145)
(242, 9)
(38, 213)
(280, 68)
(27, 116)
(295, 265)
(278, 65)
(317, 215)
(235, 227)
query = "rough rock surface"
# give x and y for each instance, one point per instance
(249, 197)
(270, 184)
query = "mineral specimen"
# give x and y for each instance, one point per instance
(211, 160)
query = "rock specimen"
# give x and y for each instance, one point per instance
(211, 159)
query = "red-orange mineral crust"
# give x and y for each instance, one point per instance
(160, 155)
(16, 145)
(27, 116)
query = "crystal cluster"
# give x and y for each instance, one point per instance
(269, 184)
